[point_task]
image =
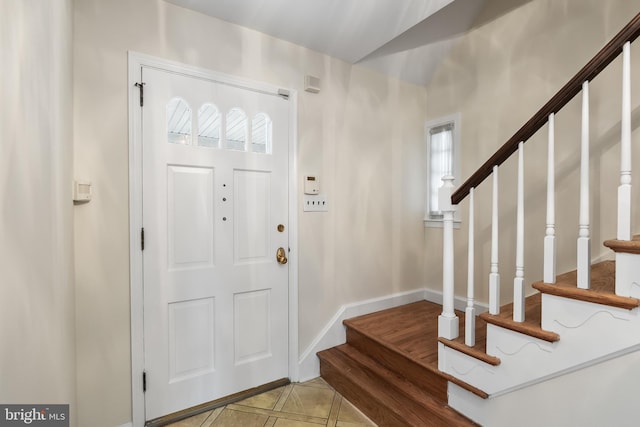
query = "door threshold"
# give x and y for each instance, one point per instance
(214, 404)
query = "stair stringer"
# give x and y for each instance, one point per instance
(589, 333)
(604, 394)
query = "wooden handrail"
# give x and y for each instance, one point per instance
(607, 54)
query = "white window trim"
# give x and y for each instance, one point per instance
(456, 120)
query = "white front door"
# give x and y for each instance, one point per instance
(215, 213)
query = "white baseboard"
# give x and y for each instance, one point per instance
(334, 332)
(459, 303)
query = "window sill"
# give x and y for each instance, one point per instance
(438, 223)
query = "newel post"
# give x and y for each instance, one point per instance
(447, 321)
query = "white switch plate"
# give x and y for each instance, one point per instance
(315, 203)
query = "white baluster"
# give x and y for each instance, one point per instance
(549, 275)
(584, 241)
(494, 276)
(448, 321)
(518, 281)
(470, 311)
(624, 190)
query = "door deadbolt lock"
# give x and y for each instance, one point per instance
(281, 256)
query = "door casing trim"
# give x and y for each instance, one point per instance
(135, 62)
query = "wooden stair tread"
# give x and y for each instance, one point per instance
(602, 289)
(404, 386)
(626, 246)
(530, 326)
(384, 396)
(470, 351)
(479, 350)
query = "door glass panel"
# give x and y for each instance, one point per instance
(236, 129)
(178, 122)
(208, 126)
(261, 134)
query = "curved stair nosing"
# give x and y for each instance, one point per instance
(470, 351)
(588, 295)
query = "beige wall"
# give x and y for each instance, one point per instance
(37, 305)
(363, 135)
(497, 77)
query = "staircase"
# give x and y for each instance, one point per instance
(393, 369)
(428, 365)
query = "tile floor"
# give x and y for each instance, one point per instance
(306, 404)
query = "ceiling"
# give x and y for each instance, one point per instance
(403, 38)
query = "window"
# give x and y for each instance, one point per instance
(443, 158)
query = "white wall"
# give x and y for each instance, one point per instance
(497, 77)
(37, 305)
(600, 395)
(363, 135)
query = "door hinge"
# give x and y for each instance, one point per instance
(144, 381)
(142, 238)
(141, 86)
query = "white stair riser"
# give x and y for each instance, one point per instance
(627, 275)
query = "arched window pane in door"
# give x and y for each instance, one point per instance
(208, 126)
(261, 134)
(236, 130)
(178, 122)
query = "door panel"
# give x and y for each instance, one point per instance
(251, 216)
(215, 188)
(191, 354)
(190, 217)
(251, 326)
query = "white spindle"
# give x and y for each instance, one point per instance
(494, 276)
(470, 312)
(624, 190)
(584, 241)
(549, 275)
(447, 321)
(518, 281)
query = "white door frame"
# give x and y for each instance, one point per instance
(136, 61)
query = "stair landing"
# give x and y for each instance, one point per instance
(409, 333)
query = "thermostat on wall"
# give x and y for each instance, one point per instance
(312, 84)
(311, 185)
(81, 191)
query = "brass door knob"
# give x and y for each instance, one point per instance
(281, 256)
